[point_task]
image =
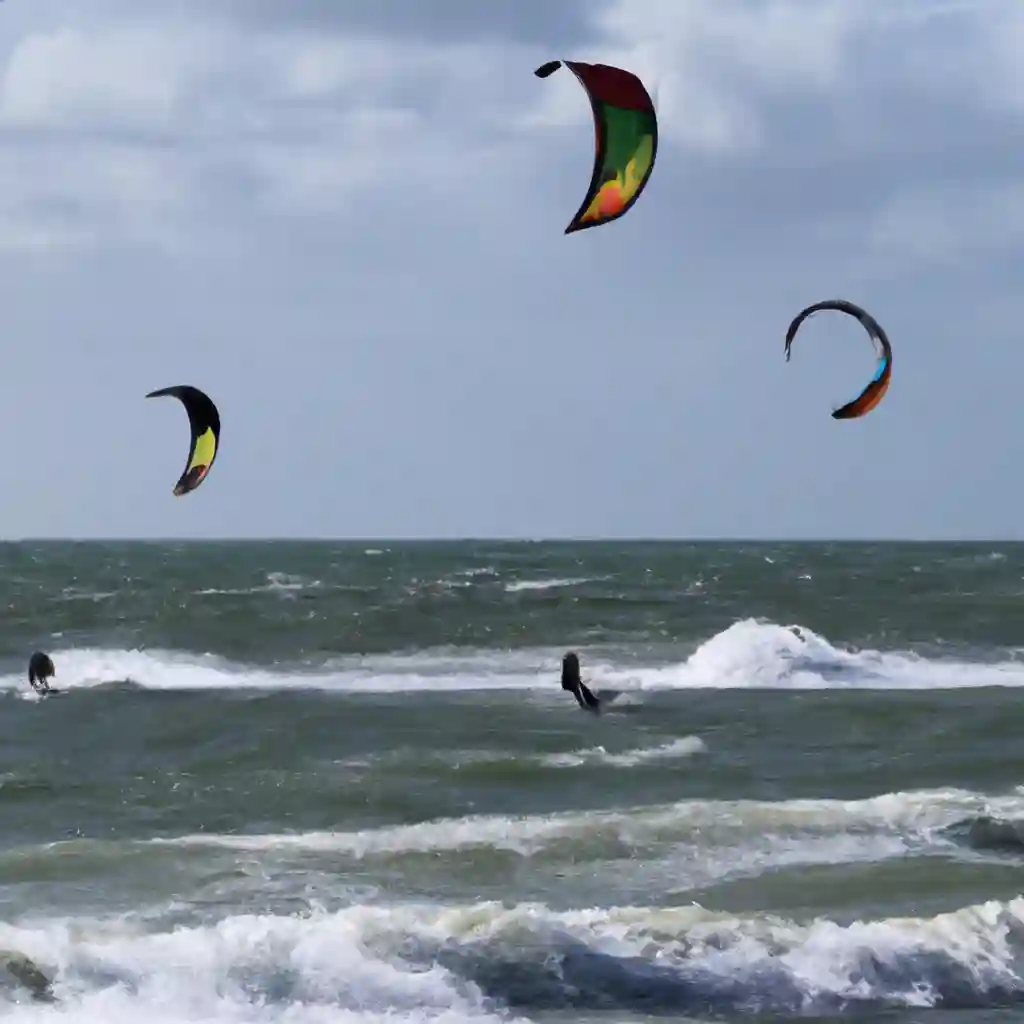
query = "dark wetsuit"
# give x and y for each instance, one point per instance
(571, 681)
(40, 668)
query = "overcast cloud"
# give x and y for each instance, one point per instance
(344, 220)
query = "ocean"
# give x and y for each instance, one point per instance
(306, 783)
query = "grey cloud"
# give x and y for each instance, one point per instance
(418, 349)
(560, 23)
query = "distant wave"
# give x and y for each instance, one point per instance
(747, 655)
(897, 821)
(680, 847)
(685, 746)
(277, 582)
(518, 586)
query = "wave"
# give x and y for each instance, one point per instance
(450, 964)
(277, 582)
(747, 837)
(751, 654)
(685, 746)
(672, 853)
(86, 668)
(412, 758)
(988, 834)
(518, 586)
(360, 959)
(747, 655)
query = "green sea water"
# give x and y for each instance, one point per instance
(319, 782)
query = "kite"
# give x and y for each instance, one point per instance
(879, 384)
(626, 128)
(204, 421)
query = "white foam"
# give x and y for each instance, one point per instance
(259, 969)
(917, 814)
(747, 655)
(277, 582)
(73, 594)
(763, 655)
(83, 668)
(354, 965)
(518, 586)
(685, 746)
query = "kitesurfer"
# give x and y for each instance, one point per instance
(571, 681)
(40, 668)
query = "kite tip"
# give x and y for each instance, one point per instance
(548, 69)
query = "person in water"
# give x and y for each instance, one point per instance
(571, 681)
(40, 668)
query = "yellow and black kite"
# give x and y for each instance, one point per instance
(879, 384)
(204, 421)
(626, 126)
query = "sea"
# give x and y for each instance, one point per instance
(320, 782)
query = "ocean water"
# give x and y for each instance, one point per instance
(312, 783)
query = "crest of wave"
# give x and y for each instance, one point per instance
(764, 655)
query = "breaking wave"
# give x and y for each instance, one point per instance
(489, 961)
(748, 654)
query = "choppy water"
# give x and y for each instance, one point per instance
(309, 783)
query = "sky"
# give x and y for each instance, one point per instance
(345, 222)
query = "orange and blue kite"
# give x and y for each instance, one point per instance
(626, 127)
(879, 384)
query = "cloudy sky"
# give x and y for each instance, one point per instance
(344, 220)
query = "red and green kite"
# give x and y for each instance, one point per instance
(626, 126)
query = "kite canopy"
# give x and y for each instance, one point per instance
(879, 384)
(204, 421)
(626, 128)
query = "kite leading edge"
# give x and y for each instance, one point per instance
(204, 422)
(879, 384)
(626, 128)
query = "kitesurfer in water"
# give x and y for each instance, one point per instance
(571, 681)
(40, 668)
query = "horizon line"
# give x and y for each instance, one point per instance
(508, 539)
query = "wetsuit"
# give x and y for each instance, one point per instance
(39, 668)
(571, 681)
(585, 698)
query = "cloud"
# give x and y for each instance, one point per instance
(72, 79)
(713, 64)
(347, 218)
(500, 21)
(167, 114)
(156, 113)
(946, 225)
